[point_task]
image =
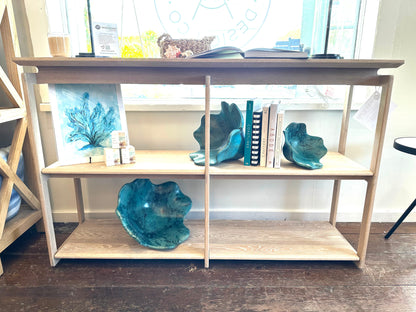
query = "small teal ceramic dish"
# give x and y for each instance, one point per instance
(226, 136)
(303, 149)
(153, 214)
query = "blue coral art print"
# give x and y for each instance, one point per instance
(84, 116)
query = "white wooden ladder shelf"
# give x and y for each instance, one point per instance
(10, 83)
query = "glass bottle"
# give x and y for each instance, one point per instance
(58, 34)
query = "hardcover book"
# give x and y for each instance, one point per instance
(256, 138)
(271, 140)
(227, 52)
(264, 134)
(249, 124)
(252, 106)
(274, 53)
(279, 139)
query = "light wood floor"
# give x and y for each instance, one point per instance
(387, 283)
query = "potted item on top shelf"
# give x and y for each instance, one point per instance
(177, 48)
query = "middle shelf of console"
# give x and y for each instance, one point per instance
(177, 164)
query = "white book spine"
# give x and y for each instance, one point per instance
(264, 133)
(271, 137)
(279, 139)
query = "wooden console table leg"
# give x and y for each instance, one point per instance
(387, 84)
(1, 268)
(29, 80)
(79, 200)
(207, 171)
(366, 223)
(334, 203)
(341, 149)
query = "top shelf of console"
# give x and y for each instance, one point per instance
(221, 71)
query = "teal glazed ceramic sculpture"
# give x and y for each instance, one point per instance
(303, 149)
(153, 214)
(226, 136)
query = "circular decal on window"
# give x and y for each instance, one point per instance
(233, 22)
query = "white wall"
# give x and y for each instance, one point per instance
(395, 39)
(271, 199)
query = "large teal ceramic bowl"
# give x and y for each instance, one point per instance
(154, 214)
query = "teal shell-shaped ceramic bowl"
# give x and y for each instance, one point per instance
(153, 214)
(301, 148)
(226, 136)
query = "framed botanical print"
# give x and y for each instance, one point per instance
(84, 116)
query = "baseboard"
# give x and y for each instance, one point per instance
(385, 216)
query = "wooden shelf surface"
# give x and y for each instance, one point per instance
(236, 240)
(18, 225)
(107, 239)
(148, 163)
(335, 166)
(178, 163)
(49, 62)
(221, 71)
(278, 240)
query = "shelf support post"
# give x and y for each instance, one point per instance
(79, 200)
(207, 160)
(387, 85)
(341, 149)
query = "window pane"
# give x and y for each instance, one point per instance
(296, 24)
(241, 23)
(343, 26)
(344, 23)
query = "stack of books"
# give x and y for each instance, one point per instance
(263, 136)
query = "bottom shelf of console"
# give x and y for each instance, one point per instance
(278, 240)
(107, 239)
(233, 240)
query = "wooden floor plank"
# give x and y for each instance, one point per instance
(165, 298)
(387, 271)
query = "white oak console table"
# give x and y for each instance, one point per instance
(214, 239)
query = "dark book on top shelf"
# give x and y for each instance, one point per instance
(274, 53)
(256, 138)
(227, 52)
